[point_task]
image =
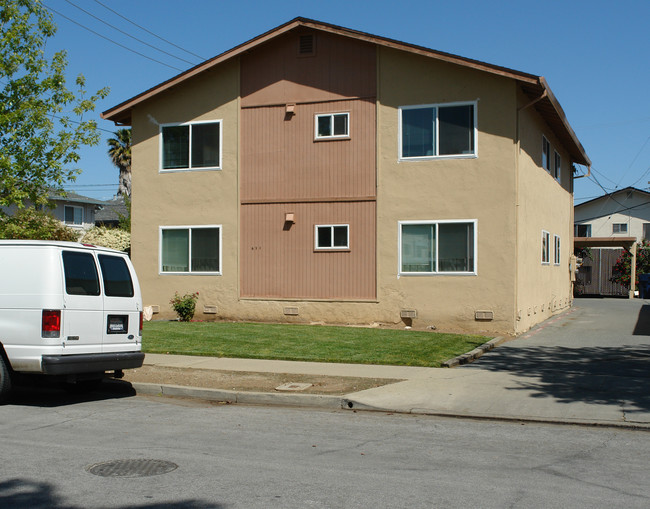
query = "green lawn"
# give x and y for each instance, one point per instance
(306, 342)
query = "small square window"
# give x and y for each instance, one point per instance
(619, 228)
(332, 236)
(335, 125)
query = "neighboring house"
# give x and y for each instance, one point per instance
(321, 174)
(73, 210)
(623, 213)
(607, 224)
(111, 212)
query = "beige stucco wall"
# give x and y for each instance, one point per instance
(543, 204)
(186, 197)
(481, 188)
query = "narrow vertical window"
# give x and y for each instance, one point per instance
(556, 252)
(557, 167)
(546, 248)
(546, 154)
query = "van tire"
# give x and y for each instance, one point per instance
(5, 380)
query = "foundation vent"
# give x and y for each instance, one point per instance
(408, 313)
(291, 311)
(155, 308)
(484, 315)
(209, 309)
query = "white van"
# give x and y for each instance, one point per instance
(67, 309)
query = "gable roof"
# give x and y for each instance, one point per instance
(612, 196)
(533, 86)
(73, 197)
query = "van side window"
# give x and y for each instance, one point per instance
(116, 276)
(80, 273)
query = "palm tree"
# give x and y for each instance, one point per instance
(120, 153)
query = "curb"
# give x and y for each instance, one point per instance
(468, 357)
(246, 398)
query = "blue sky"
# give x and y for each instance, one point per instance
(594, 54)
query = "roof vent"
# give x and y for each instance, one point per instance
(306, 45)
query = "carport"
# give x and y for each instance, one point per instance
(628, 243)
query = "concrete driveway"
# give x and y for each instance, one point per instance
(590, 364)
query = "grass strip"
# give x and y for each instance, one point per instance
(314, 343)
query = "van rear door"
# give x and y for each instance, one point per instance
(82, 314)
(121, 330)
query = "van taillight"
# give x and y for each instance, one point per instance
(141, 319)
(51, 323)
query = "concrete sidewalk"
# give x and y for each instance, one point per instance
(514, 382)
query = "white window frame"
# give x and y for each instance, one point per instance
(437, 272)
(556, 250)
(190, 168)
(331, 116)
(73, 207)
(557, 166)
(473, 155)
(189, 272)
(619, 227)
(333, 247)
(546, 248)
(546, 154)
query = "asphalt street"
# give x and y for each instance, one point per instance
(229, 456)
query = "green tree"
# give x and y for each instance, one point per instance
(120, 153)
(34, 224)
(39, 140)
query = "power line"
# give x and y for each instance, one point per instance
(148, 31)
(127, 34)
(111, 40)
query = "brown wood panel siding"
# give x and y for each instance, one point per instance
(282, 262)
(280, 159)
(275, 73)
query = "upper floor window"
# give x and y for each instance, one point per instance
(336, 236)
(191, 146)
(557, 166)
(619, 228)
(433, 247)
(546, 154)
(73, 215)
(582, 230)
(437, 130)
(334, 125)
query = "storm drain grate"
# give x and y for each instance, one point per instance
(132, 468)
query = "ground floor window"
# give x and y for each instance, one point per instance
(556, 253)
(73, 215)
(332, 236)
(546, 248)
(190, 249)
(432, 247)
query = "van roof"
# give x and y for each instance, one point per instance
(56, 243)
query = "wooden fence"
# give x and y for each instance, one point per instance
(594, 275)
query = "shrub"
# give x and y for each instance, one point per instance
(113, 238)
(185, 305)
(32, 224)
(621, 269)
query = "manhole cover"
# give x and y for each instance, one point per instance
(131, 468)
